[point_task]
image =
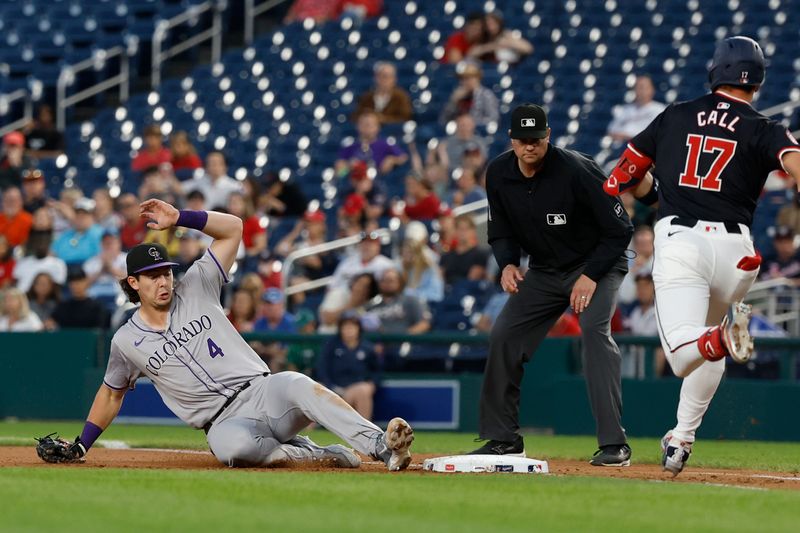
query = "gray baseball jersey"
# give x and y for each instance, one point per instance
(198, 361)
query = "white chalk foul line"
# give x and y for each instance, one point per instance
(759, 476)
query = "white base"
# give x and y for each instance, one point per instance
(486, 463)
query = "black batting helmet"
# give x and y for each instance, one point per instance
(738, 61)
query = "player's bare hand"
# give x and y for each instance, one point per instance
(582, 293)
(161, 214)
(508, 280)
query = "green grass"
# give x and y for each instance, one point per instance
(776, 456)
(89, 499)
(72, 499)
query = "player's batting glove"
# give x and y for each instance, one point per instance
(58, 450)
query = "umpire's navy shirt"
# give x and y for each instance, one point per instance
(560, 217)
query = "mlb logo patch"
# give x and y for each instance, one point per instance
(723, 105)
(528, 123)
(556, 219)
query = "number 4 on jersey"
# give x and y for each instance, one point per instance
(724, 150)
(214, 350)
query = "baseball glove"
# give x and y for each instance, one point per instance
(57, 450)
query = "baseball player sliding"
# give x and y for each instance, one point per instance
(712, 156)
(209, 376)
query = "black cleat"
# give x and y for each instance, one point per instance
(515, 448)
(612, 455)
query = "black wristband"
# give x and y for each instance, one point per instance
(652, 195)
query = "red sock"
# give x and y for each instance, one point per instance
(711, 346)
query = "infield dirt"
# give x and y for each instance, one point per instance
(16, 456)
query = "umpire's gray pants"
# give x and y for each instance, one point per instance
(522, 324)
(260, 426)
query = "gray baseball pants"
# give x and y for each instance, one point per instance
(522, 324)
(261, 425)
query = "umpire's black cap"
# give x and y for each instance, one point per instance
(528, 121)
(147, 256)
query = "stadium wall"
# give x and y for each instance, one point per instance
(55, 376)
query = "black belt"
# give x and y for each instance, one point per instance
(730, 227)
(229, 401)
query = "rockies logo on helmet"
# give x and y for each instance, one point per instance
(153, 252)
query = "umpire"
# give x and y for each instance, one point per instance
(549, 203)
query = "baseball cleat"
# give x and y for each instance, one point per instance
(674, 454)
(398, 438)
(515, 448)
(735, 333)
(612, 455)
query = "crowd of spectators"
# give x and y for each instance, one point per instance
(61, 258)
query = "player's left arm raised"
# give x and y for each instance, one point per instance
(224, 228)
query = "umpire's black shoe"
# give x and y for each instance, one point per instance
(612, 455)
(498, 447)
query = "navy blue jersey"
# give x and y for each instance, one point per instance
(712, 156)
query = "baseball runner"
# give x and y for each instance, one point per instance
(209, 376)
(712, 156)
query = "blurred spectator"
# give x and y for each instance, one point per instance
(789, 214)
(44, 295)
(641, 263)
(501, 44)
(471, 97)
(459, 43)
(325, 10)
(42, 137)
(183, 153)
(467, 260)
(17, 315)
(784, 263)
(388, 101)
(34, 190)
(190, 249)
(252, 283)
(62, 209)
(254, 234)
(421, 203)
(14, 161)
(450, 152)
(630, 119)
(372, 191)
(242, 313)
(215, 184)
(196, 200)
(393, 311)
(133, 227)
(369, 147)
(78, 311)
(309, 231)
(7, 262)
(153, 152)
(282, 198)
(368, 260)
(349, 366)
(642, 318)
(359, 8)
(39, 259)
(273, 319)
(160, 182)
(15, 223)
(468, 190)
(446, 228)
(105, 269)
(421, 271)
(104, 213)
(82, 241)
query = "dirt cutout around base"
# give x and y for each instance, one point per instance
(17, 456)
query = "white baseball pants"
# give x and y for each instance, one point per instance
(696, 278)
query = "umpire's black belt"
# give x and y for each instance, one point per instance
(229, 401)
(730, 227)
